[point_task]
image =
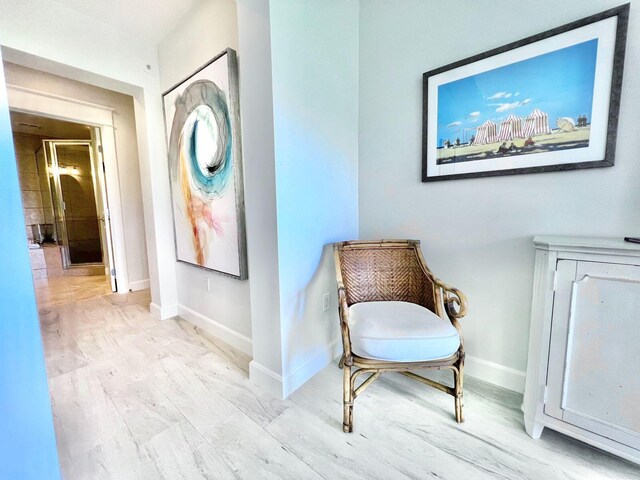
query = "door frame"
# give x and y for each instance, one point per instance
(72, 110)
(101, 200)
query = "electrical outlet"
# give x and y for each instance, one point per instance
(326, 302)
(207, 284)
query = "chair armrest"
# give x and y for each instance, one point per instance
(455, 302)
(343, 310)
(451, 296)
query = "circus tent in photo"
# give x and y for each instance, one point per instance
(510, 128)
(486, 133)
(536, 124)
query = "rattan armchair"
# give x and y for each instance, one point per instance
(394, 270)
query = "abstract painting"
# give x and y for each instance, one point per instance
(205, 167)
(549, 102)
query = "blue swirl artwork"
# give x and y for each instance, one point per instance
(205, 164)
(202, 161)
(209, 149)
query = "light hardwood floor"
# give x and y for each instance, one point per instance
(60, 290)
(135, 398)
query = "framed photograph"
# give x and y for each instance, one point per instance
(202, 120)
(546, 103)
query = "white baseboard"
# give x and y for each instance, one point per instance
(266, 379)
(495, 373)
(216, 329)
(163, 313)
(283, 387)
(299, 375)
(138, 285)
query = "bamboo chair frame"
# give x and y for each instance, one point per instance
(387, 270)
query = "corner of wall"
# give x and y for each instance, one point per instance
(315, 115)
(256, 104)
(163, 312)
(282, 387)
(309, 368)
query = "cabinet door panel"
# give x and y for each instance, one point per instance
(601, 389)
(594, 369)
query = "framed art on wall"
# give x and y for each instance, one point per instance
(202, 120)
(545, 103)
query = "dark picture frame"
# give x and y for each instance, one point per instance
(439, 164)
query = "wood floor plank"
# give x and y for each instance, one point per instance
(85, 414)
(233, 383)
(203, 407)
(181, 453)
(118, 458)
(145, 409)
(252, 453)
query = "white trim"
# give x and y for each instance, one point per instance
(216, 329)
(155, 310)
(304, 372)
(587, 245)
(265, 378)
(139, 285)
(500, 375)
(55, 106)
(63, 108)
(282, 388)
(114, 200)
(604, 443)
(165, 313)
(494, 373)
(259, 374)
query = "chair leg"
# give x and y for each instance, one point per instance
(458, 380)
(341, 363)
(347, 422)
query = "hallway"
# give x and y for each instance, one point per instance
(136, 398)
(61, 290)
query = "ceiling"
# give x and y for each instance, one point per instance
(150, 19)
(48, 127)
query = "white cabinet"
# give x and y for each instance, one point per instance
(583, 373)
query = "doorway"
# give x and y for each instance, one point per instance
(65, 202)
(81, 213)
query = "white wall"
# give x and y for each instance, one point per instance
(199, 37)
(51, 37)
(299, 105)
(126, 150)
(256, 105)
(477, 233)
(314, 51)
(225, 309)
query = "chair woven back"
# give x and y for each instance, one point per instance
(384, 271)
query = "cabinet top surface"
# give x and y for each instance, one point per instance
(603, 244)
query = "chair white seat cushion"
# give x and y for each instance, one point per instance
(400, 332)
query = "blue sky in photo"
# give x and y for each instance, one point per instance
(560, 83)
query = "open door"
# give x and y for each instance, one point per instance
(82, 217)
(60, 226)
(102, 204)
